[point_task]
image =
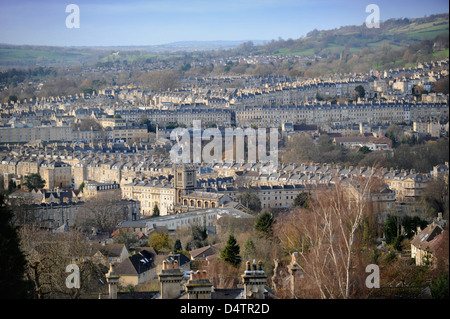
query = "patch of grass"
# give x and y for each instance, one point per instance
(442, 54)
(287, 51)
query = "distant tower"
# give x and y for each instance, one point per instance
(185, 179)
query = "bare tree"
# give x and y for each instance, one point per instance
(48, 254)
(103, 213)
(327, 236)
(160, 80)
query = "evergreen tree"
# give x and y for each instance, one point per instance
(230, 254)
(360, 91)
(155, 211)
(177, 246)
(249, 247)
(81, 187)
(264, 224)
(390, 228)
(301, 200)
(11, 186)
(12, 262)
(439, 287)
(33, 181)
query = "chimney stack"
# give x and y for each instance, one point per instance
(112, 279)
(254, 280)
(170, 280)
(199, 286)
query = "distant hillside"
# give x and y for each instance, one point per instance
(395, 33)
(403, 36)
(27, 55)
(397, 43)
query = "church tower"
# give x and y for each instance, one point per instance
(185, 180)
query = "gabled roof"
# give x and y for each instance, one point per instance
(136, 264)
(203, 252)
(109, 250)
(428, 238)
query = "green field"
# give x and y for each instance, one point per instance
(423, 31)
(27, 57)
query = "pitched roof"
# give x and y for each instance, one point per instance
(428, 238)
(182, 259)
(203, 252)
(109, 250)
(136, 264)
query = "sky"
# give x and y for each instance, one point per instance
(152, 22)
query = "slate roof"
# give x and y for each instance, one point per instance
(136, 264)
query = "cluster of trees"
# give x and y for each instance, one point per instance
(411, 154)
(13, 265)
(302, 149)
(14, 76)
(335, 240)
(159, 80)
(393, 229)
(33, 263)
(248, 241)
(251, 201)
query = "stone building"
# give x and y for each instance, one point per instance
(56, 174)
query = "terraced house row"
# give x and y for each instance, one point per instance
(327, 114)
(152, 179)
(27, 133)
